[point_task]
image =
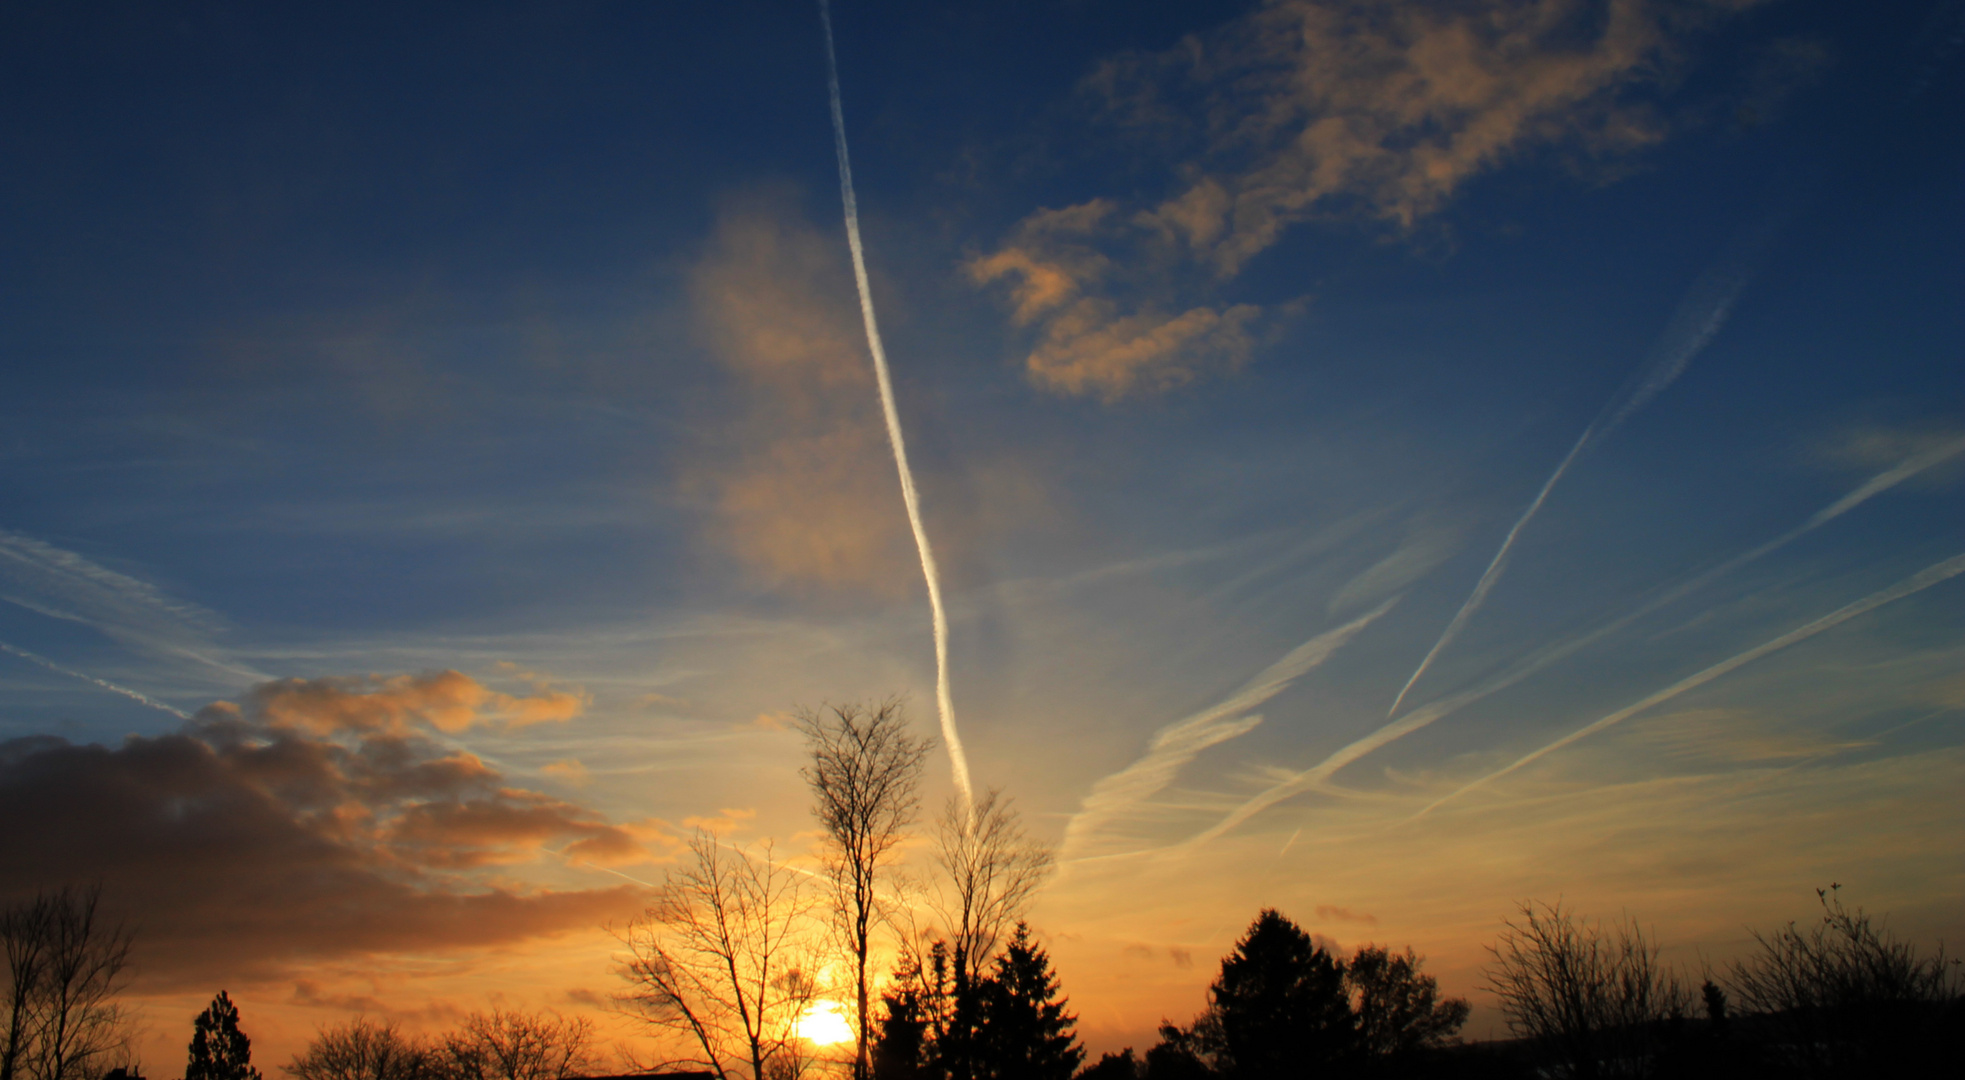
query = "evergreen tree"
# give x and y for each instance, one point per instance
(1279, 1008)
(1025, 1032)
(219, 1050)
(901, 1044)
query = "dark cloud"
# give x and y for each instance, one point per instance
(250, 842)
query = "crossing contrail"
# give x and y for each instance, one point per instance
(1420, 717)
(944, 702)
(34, 658)
(1178, 743)
(1699, 317)
(1918, 582)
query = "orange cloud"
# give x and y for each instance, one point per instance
(445, 700)
(1312, 108)
(799, 483)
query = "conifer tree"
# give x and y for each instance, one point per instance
(1025, 1033)
(219, 1050)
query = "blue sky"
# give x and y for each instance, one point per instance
(349, 345)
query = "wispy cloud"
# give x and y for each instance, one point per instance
(1307, 109)
(1918, 582)
(1172, 747)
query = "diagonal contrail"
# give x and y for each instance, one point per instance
(1918, 582)
(34, 658)
(1178, 743)
(1493, 572)
(944, 702)
(1542, 658)
(1699, 317)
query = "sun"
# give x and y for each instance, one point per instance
(824, 1024)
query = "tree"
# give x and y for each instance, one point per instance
(901, 1046)
(364, 1049)
(1593, 1000)
(1025, 1032)
(1279, 1007)
(1848, 997)
(219, 1050)
(1175, 1057)
(65, 965)
(1114, 1065)
(990, 870)
(514, 1045)
(1398, 1011)
(722, 958)
(865, 777)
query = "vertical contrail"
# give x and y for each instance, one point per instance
(1698, 318)
(944, 702)
(1918, 582)
(33, 658)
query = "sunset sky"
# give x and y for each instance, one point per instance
(439, 453)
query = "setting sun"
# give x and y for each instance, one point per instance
(825, 1024)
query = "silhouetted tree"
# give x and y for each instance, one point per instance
(1024, 1031)
(364, 1049)
(900, 1047)
(1279, 1007)
(514, 1045)
(1116, 1065)
(990, 868)
(65, 965)
(1592, 1000)
(1398, 1011)
(219, 1050)
(723, 959)
(1176, 1057)
(1849, 999)
(865, 777)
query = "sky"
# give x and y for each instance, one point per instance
(1385, 461)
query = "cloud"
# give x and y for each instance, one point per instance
(445, 700)
(1304, 109)
(254, 842)
(1415, 559)
(567, 770)
(1333, 913)
(798, 481)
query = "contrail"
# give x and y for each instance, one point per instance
(1542, 658)
(944, 702)
(1493, 572)
(33, 658)
(1178, 743)
(1699, 317)
(1918, 582)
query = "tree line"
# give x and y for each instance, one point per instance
(740, 949)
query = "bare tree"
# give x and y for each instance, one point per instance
(991, 869)
(364, 1049)
(503, 1045)
(723, 959)
(65, 967)
(865, 778)
(1848, 997)
(1591, 998)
